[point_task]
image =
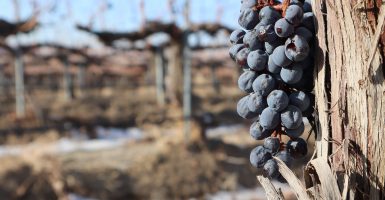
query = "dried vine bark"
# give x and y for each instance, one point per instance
(351, 94)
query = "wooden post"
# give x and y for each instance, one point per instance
(81, 78)
(214, 78)
(159, 73)
(187, 74)
(68, 83)
(2, 80)
(19, 84)
(186, 88)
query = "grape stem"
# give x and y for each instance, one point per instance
(285, 4)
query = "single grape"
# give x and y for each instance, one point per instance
(257, 60)
(272, 144)
(264, 84)
(303, 64)
(269, 118)
(306, 83)
(285, 156)
(283, 28)
(291, 75)
(300, 99)
(251, 40)
(271, 168)
(270, 46)
(297, 148)
(277, 100)
(259, 156)
(256, 103)
(308, 21)
(296, 48)
(248, 18)
(258, 132)
(245, 81)
(236, 37)
(272, 67)
(296, 133)
(296, 2)
(241, 57)
(279, 57)
(243, 110)
(235, 49)
(269, 15)
(307, 6)
(305, 33)
(248, 4)
(294, 14)
(266, 33)
(291, 117)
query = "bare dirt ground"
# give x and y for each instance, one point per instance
(160, 166)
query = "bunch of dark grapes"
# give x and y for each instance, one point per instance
(274, 49)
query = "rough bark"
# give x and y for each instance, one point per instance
(350, 92)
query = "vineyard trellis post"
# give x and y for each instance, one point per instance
(19, 84)
(159, 74)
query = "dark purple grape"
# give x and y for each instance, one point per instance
(269, 118)
(277, 100)
(248, 18)
(306, 83)
(297, 148)
(251, 40)
(236, 37)
(283, 28)
(308, 21)
(297, 132)
(235, 49)
(305, 33)
(266, 33)
(272, 144)
(259, 156)
(285, 156)
(279, 57)
(300, 99)
(248, 4)
(296, 2)
(291, 75)
(256, 103)
(243, 110)
(307, 6)
(264, 84)
(294, 14)
(296, 48)
(241, 57)
(272, 67)
(269, 15)
(303, 64)
(257, 60)
(271, 168)
(245, 81)
(270, 46)
(291, 117)
(258, 132)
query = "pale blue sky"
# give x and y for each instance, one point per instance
(58, 25)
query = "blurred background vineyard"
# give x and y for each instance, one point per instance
(113, 99)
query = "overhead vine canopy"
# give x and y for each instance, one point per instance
(8, 28)
(152, 27)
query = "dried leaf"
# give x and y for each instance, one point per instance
(271, 192)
